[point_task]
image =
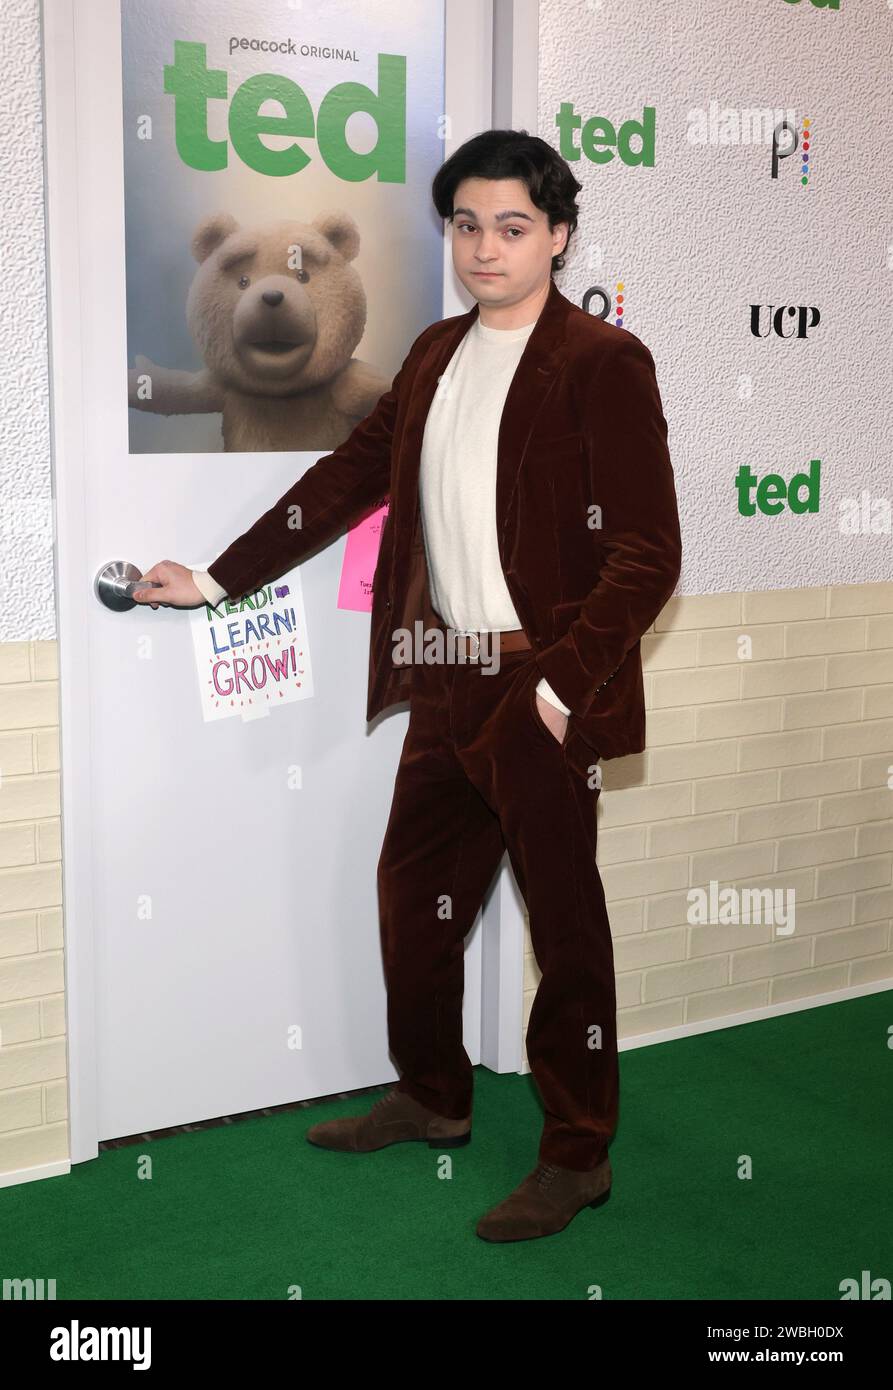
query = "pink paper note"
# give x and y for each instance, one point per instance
(360, 559)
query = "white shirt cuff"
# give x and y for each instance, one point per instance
(209, 589)
(544, 688)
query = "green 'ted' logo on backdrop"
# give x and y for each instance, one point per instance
(193, 84)
(601, 141)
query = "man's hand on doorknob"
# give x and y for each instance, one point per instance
(178, 588)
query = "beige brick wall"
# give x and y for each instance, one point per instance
(768, 766)
(33, 1084)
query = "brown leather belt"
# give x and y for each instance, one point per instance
(505, 640)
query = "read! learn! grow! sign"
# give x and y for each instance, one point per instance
(253, 655)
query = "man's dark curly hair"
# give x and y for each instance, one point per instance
(513, 154)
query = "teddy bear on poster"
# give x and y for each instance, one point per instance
(276, 312)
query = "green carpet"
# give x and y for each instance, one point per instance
(250, 1210)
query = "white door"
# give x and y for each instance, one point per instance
(222, 949)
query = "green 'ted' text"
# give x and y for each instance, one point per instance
(772, 492)
(193, 84)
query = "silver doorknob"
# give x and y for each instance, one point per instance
(115, 583)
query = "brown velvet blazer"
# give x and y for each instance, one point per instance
(586, 513)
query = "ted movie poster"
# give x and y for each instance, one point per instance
(282, 249)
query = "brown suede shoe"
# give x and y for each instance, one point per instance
(393, 1119)
(545, 1202)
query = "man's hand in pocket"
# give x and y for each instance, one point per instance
(554, 720)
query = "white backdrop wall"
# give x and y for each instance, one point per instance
(706, 232)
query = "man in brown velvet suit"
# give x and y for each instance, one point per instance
(532, 537)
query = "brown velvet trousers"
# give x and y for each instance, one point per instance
(479, 773)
